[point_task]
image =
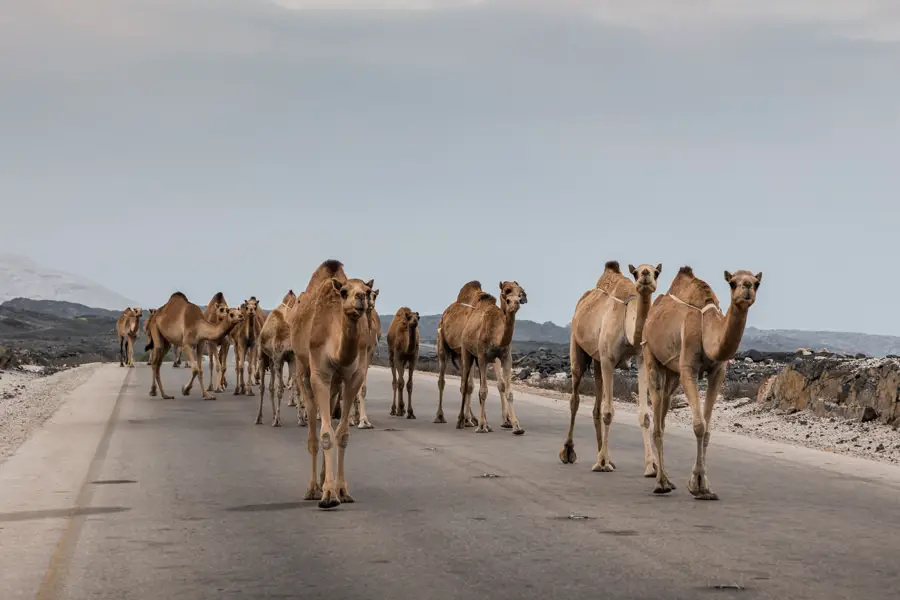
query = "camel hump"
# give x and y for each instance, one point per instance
(178, 295)
(691, 289)
(219, 297)
(485, 298)
(612, 265)
(686, 270)
(328, 269)
(469, 292)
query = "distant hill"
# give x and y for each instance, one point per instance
(56, 308)
(21, 277)
(764, 340)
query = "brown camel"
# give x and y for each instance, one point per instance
(274, 351)
(330, 338)
(685, 336)
(607, 329)
(253, 354)
(177, 351)
(217, 350)
(127, 328)
(486, 338)
(244, 338)
(403, 352)
(181, 322)
(147, 331)
(358, 415)
(449, 341)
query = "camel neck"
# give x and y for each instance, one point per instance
(722, 334)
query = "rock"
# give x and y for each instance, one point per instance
(868, 414)
(525, 373)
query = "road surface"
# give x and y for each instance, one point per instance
(123, 496)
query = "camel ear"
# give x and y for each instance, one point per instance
(658, 269)
(728, 276)
(524, 299)
(336, 284)
(632, 270)
(501, 285)
(758, 280)
(417, 315)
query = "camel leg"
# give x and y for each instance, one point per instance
(128, 352)
(196, 373)
(238, 371)
(297, 391)
(442, 368)
(351, 390)
(275, 383)
(322, 393)
(159, 349)
(579, 364)
(314, 491)
(411, 364)
(470, 418)
(699, 482)
(658, 385)
(502, 389)
(211, 351)
(391, 359)
(121, 350)
(363, 416)
(262, 393)
(603, 402)
(689, 378)
(131, 341)
(465, 367)
(401, 406)
(483, 426)
(247, 379)
(644, 420)
(506, 380)
(222, 367)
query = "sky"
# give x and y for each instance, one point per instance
(233, 145)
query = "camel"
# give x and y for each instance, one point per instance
(244, 338)
(217, 350)
(330, 339)
(403, 352)
(486, 338)
(147, 331)
(274, 351)
(607, 329)
(127, 328)
(685, 336)
(179, 321)
(177, 351)
(448, 342)
(253, 354)
(358, 416)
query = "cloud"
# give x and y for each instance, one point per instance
(377, 4)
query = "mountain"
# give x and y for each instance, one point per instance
(21, 277)
(764, 340)
(56, 308)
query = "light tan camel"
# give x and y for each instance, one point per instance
(127, 328)
(179, 321)
(244, 338)
(403, 352)
(687, 335)
(274, 351)
(217, 350)
(177, 351)
(330, 338)
(449, 341)
(486, 338)
(607, 329)
(358, 416)
(253, 354)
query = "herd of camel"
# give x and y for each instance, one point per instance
(327, 336)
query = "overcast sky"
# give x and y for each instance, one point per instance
(233, 145)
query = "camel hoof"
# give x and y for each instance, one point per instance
(393, 412)
(439, 419)
(292, 404)
(259, 420)
(121, 364)
(506, 425)
(329, 500)
(567, 454)
(209, 397)
(365, 425)
(663, 488)
(410, 415)
(185, 391)
(276, 423)
(519, 431)
(483, 429)
(249, 392)
(315, 494)
(166, 397)
(153, 392)
(604, 466)
(706, 496)
(650, 471)
(345, 497)
(461, 425)
(131, 366)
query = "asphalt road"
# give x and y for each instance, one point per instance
(123, 496)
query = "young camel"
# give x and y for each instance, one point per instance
(449, 342)
(607, 329)
(217, 350)
(244, 339)
(274, 351)
(358, 416)
(685, 336)
(127, 328)
(330, 338)
(486, 338)
(181, 322)
(403, 352)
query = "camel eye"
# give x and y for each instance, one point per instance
(733, 285)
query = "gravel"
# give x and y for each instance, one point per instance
(27, 399)
(744, 416)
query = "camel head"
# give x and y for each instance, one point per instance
(645, 277)
(289, 298)
(252, 304)
(234, 316)
(373, 295)
(152, 310)
(221, 311)
(354, 294)
(512, 296)
(137, 310)
(743, 287)
(411, 318)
